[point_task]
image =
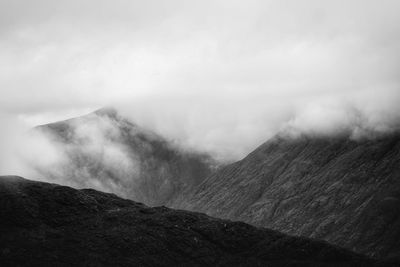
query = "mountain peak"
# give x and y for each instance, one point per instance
(104, 146)
(107, 111)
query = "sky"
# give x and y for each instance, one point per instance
(217, 76)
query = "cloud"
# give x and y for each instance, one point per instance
(21, 147)
(91, 154)
(338, 118)
(219, 76)
(93, 157)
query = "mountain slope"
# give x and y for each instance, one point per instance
(52, 225)
(105, 151)
(343, 191)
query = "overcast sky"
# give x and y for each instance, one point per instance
(223, 76)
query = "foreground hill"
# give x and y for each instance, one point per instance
(343, 191)
(105, 151)
(50, 225)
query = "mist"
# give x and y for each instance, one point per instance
(219, 77)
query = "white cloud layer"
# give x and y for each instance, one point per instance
(221, 76)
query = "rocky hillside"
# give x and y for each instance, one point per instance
(343, 191)
(105, 151)
(50, 225)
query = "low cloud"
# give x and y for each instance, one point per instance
(87, 154)
(215, 76)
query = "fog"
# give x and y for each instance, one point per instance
(90, 154)
(214, 76)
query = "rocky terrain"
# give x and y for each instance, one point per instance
(46, 224)
(336, 189)
(105, 151)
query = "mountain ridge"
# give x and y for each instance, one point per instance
(329, 187)
(56, 225)
(337, 189)
(117, 155)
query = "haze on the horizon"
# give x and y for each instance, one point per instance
(218, 76)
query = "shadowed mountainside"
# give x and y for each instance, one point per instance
(105, 151)
(343, 191)
(52, 225)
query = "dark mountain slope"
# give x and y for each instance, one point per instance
(105, 151)
(343, 191)
(50, 225)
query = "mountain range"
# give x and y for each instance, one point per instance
(332, 188)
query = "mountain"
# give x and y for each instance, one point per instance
(105, 151)
(344, 191)
(46, 224)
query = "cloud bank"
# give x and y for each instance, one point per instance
(217, 76)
